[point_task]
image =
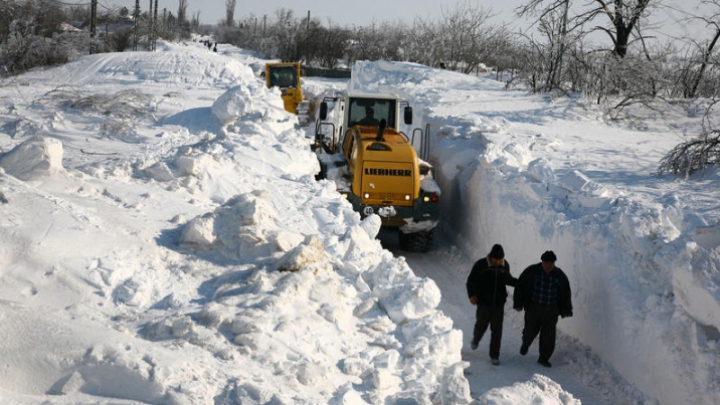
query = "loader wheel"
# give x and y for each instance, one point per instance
(416, 242)
(322, 174)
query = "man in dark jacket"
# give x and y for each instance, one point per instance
(543, 290)
(486, 289)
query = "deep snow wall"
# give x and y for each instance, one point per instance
(632, 270)
(645, 273)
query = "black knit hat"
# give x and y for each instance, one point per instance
(548, 256)
(497, 252)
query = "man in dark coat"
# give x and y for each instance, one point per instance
(486, 289)
(543, 291)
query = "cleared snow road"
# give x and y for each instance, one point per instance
(575, 368)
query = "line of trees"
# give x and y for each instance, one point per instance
(624, 67)
(593, 48)
(49, 32)
(463, 39)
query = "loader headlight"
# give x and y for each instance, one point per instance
(407, 197)
(426, 199)
(366, 195)
(345, 195)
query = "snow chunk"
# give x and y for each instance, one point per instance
(310, 252)
(199, 231)
(455, 388)
(244, 226)
(540, 170)
(371, 225)
(589, 193)
(409, 299)
(193, 165)
(539, 390)
(236, 102)
(707, 236)
(34, 158)
(579, 182)
(159, 171)
(246, 100)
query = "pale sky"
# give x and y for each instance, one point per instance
(341, 12)
(665, 21)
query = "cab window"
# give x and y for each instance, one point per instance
(282, 76)
(368, 111)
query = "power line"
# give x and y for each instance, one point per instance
(86, 4)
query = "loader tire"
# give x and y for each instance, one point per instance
(417, 241)
(322, 174)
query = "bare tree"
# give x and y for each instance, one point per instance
(623, 17)
(331, 46)
(463, 33)
(8, 11)
(553, 25)
(230, 12)
(286, 35)
(424, 43)
(698, 64)
(182, 11)
(696, 154)
(379, 41)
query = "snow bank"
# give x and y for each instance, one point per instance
(629, 267)
(329, 293)
(192, 256)
(645, 293)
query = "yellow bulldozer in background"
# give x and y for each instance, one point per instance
(286, 76)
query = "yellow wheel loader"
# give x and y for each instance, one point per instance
(360, 146)
(286, 76)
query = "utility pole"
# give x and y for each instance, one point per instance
(136, 14)
(154, 33)
(93, 22)
(150, 28)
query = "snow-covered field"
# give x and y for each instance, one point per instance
(163, 241)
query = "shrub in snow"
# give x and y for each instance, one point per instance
(690, 156)
(23, 49)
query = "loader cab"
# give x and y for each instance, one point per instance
(282, 76)
(359, 109)
(286, 76)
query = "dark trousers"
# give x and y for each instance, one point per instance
(541, 319)
(492, 316)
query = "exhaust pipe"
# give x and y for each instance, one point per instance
(381, 130)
